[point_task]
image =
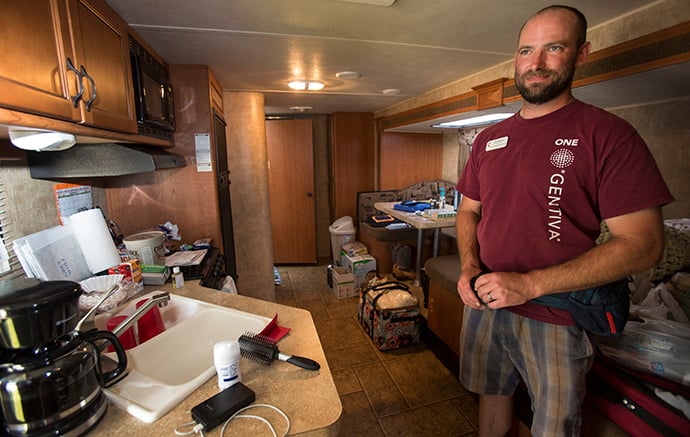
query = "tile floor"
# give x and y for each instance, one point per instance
(407, 392)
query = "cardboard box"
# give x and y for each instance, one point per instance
(362, 267)
(343, 284)
(131, 269)
(353, 248)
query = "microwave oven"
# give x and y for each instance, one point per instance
(153, 93)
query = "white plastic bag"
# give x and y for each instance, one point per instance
(659, 347)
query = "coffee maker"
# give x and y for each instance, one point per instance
(51, 378)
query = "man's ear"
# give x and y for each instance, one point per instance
(583, 54)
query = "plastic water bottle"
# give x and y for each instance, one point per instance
(442, 198)
(226, 358)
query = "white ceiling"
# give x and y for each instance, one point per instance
(413, 45)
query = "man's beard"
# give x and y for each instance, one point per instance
(537, 94)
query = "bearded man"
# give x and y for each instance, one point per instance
(535, 190)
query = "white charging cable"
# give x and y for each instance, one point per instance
(195, 428)
(249, 416)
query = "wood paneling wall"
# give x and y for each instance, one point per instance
(352, 160)
(184, 196)
(408, 158)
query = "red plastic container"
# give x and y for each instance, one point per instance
(150, 324)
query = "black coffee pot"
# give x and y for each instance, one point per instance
(53, 387)
(51, 378)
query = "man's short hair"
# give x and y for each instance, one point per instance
(581, 30)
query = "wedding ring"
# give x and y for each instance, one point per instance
(491, 299)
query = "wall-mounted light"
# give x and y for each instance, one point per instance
(41, 140)
(306, 85)
(475, 121)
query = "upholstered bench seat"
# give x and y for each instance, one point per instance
(444, 305)
(444, 270)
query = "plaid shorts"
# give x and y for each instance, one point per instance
(498, 347)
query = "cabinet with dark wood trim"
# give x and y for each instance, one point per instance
(67, 60)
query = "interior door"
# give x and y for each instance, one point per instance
(291, 189)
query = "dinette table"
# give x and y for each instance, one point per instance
(421, 220)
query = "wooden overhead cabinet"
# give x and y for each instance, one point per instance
(67, 59)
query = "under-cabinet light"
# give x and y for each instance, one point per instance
(475, 121)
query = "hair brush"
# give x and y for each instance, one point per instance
(264, 350)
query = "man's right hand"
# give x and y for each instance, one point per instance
(467, 294)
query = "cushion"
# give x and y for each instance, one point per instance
(367, 199)
(444, 270)
(676, 256)
(427, 190)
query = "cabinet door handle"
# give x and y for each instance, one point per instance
(75, 99)
(93, 88)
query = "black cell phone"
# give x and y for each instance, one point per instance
(220, 407)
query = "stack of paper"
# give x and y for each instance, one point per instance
(52, 254)
(71, 252)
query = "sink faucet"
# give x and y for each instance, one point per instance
(160, 299)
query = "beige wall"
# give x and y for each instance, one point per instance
(30, 202)
(665, 128)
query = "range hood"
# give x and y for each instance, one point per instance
(97, 160)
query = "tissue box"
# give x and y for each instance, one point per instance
(362, 267)
(343, 284)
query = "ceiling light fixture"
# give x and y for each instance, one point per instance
(348, 75)
(475, 121)
(306, 85)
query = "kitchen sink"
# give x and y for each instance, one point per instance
(167, 368)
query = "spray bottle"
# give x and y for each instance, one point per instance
(442, 198)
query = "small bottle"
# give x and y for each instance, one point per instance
(177, 278)
(442, 198)
(226, 358)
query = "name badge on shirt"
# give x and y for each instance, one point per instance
(496, 144)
